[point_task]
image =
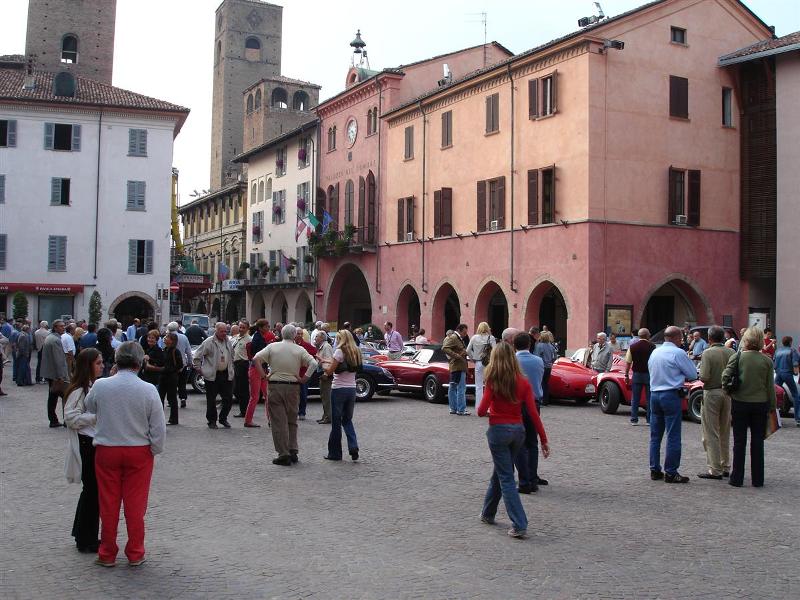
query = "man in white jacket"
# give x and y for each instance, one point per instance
(214, 358)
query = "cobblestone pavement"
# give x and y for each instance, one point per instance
(403, 522)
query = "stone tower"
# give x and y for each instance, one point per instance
(73, 35)
(247, 48)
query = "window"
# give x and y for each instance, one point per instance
(405, 219)
(300, 101)
(491, 210)
(447, 129)
(493, 113)
(349, 192)
(69, 49)
(548, 195)
(135, 198)
(252, 43)
(443, 212)
(253, 193)
(303, 152)
(140, 257)
(252, 49)
(303, 207)
(408, 152)
(331, 138)
(279, 207)
(375, 119)
(3, 250)
(678, 97)
(8, 133)
(280, 162)
(261, 191)
(542, 96)
(684, 197)
(258, 227)
(678, 35)
(59, 191)
(137, 142)
(280, 98)
(548, 85)
(257, 103)
(369, 122)
(2, 189)
(57, 253)
(333, 205)
(59, 136)
(727, 107)
(250, 103)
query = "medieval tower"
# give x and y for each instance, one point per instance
(73, 35)
(247, 48)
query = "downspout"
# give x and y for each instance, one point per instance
(378, 199)
(511, 183)
(314, 192)
(97, 193)
(422, 234)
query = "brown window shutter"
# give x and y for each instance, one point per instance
(370, 208)
(335, 207)
(672, 197)
(554, 93)
(410, 215)
(501, 203)
(533, 197)
(437, 213)
(678, 97)
(495, 112)
(481, 206)
(533, 98)
(447, 211)
(693, 215)
(362, 205)
(488, 114)
(553, 202)
(401, 219)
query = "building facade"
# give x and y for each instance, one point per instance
(281, 275)
(588, 184)
(85, 179)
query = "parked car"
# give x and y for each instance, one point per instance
(427, 373)
(613, 391)
(570, 378)
(371, 378)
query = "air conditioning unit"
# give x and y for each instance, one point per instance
(410, 236)
(681, 220)
(494, 225)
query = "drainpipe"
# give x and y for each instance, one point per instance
(378, 199)
(422, 233)
(314, 192)
(97, 192)
(511, 182)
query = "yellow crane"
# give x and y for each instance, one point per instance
(176, 233)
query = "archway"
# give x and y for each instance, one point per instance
(349, 297)
(547, 308)
(257, 308)
(215, 311)
(408, 311)
(492, 307)
(279, 312)
(446, 312)
(201, 307)
(232, 309)
(130, 306)
(302, 309)
(673, 302)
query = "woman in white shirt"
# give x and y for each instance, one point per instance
(346, 362)
(478, 350)
(80, 452)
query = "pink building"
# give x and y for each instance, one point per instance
(589, 183)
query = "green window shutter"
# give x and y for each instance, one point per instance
(49, 135)
(142, 142)
(76, 138)
(55, 191)
(132, 145)
(11, 135)
(2, 189)
(131, 201)
(132, 244)
(148, 256)
(141, 188)
(3, 243)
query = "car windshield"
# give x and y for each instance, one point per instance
(423, 355)
(202, 320)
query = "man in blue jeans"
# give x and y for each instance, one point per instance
(670, 368)
(787, 362)
(456, 353)
(527, 459)
(637, 356)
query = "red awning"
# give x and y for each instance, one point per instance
(42, 288)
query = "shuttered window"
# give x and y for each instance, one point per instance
(59, 191)
(2, 189)
(8, 133)
(137, 142)
(481, 206)
(493, 113)
(362, 209)
(693, 196)
(349, 192)
(678, 97)
(408, 152)
(333, 204)
(136, 195)
(57, 253)
(491, 204)
(405, 219)
(447, 129)
(549, 87)
(533, 98)
(675, 200)
(371, 193)
(443, 212)
(3, 250)
(140, 257)
(727, 107)
(683, 203)
(61, 136)
(548, 177)
(533, 197)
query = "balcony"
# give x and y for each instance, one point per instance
(339, 243)
(266, 278)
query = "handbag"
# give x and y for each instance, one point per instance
(733, 384)
(773, 423)
(486, 352)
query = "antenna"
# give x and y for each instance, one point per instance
(600, 13)
(586, 21)
(483, 19)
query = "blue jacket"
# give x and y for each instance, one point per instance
(533, 368)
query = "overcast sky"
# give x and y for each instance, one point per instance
(164, 48)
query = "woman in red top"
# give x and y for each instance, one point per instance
(505, 391)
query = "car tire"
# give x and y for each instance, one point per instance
(432, 390)
(365, 388)
(610, 397)
(695, 405)
(197, 382)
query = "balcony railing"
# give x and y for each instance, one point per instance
(339, 243)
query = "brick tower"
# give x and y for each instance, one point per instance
(247, 48)
(73, 35)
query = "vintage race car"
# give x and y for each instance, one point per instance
(570, 378)
(427, 373)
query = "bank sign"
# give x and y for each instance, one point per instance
(231, 285)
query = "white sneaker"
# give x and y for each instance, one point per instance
(520, 534)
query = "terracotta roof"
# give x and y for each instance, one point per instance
(282, 79)
(245, 156)
(227, 189)
(89, 92)
(787, 43)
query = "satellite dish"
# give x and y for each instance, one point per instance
(64, 85)
(446, 69)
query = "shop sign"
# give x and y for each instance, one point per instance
(231, 285)
(41, 288)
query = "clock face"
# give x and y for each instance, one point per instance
(352, 131)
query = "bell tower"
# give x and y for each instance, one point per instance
(73, 35)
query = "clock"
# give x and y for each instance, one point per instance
(352, 131)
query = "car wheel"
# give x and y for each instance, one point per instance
(609, 398)
(788, 403)
(432, 389)
(365, 388)
(695, 406)
(198, 383)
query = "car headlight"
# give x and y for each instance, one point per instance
(386, 373)
(590, 389)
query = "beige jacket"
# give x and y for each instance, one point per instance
(207, 357)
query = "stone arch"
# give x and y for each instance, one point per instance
(280, 99)
(446, 309)
(250, 103)
(279, 308)
(349, 297)
(303, 311)
(69, 48)
(257, 102)
(491, 306)
(144, 298)
(408, 310)
(257, 307)
(696, 304)
(300, 100)
(252, 49)
(547, 304)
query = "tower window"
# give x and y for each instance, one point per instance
(69, 49)
(252, 49)
(252, 43)
(250, 103)
(280, 98)
(258, 99)
(300, 101)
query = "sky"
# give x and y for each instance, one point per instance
(164, 48)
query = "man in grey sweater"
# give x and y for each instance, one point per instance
(54, 370)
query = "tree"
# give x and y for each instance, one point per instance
(95, 308)
(20, 306)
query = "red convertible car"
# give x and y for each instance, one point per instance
(613, 391)
(427, 373)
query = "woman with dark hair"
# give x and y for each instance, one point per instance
(168, 385)
(344, 364)
(505, 390)
(104, 337)
(80, 456)
(153, 363)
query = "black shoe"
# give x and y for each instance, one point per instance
(55, 424)
(284, 461)
(541, 481)
(294, 458)
(734, 484)
(239, 416)
(528, 489)
(183, 403)
(709, 476)
(251, 425)
(212, 426)
(329, 457)
(225, 424)
(676, 478)
(656, 475)
(354, 453)
(171, 423)
(726, 474)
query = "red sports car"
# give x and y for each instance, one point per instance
(613, 391)
(427, 373)
(570, 378)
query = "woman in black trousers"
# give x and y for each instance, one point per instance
(168, 385)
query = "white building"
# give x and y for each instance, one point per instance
(281, 177)
(85, 185)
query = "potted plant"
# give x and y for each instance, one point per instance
(308, 259)
(330, 237)
(301, 204)
(301, 155)
(340, 247)
(263, 269)
(273, 270)
(241, 272)
(350, 231)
